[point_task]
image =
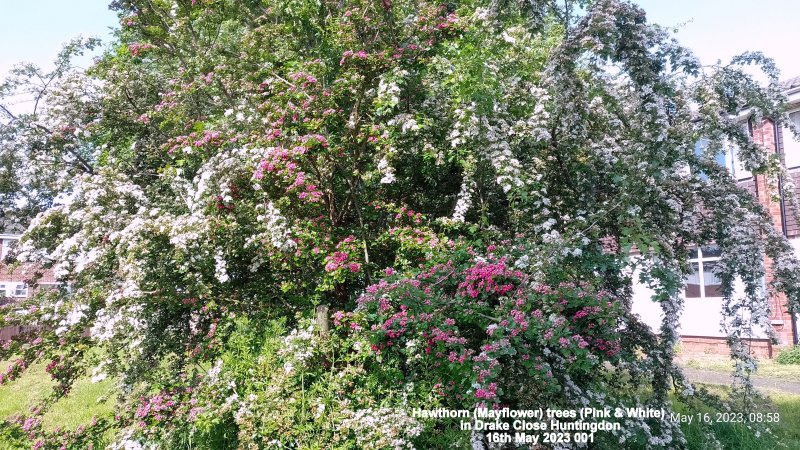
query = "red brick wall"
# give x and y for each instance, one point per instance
(760, 348)
(781, 319)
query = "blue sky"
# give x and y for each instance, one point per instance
(33, 30)
(719, 29)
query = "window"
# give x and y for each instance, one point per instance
(5, 246)
(700, 147)
(2, 290)
(727, 157)
(791, 147)
(734, 164)
(732, 161)
(21, 290)
(702, 282)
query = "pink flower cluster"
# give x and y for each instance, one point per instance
(204, 139)
(13, 370)
(476, 320)
(361, 54)
(487, 278)
(157, 407)
(136, 49)
(487, 394)
(285, 164)
(341, 257)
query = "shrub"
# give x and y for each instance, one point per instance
(789, 355)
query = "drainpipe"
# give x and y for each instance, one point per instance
(779, 151)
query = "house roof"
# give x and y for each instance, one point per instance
(790, 83)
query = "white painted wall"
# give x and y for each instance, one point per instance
(700, 316)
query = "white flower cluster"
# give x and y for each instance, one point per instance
(73, 317)
(98, 374)
(382, 428)
(97, 205)
(406, 122)
(214, 177)
(117, 320)
(414, 350)
(220, 267)
(464, 199)
(127, 442)
(466, 127)
(278, 232)
(387, 171)
(214, 371)
(507, 167)
(493, 136)
(389, 88)
(245, 410)
(186, 231)
(298, 348)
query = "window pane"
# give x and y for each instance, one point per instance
(791, 147)
(712, 283)
(700, 148)
(711, 251)
(732, 161)
(21, 290)
(693, 253)
(693, 282)
(720, 158)
(7, 246)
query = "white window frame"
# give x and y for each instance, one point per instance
(734, 164)
(791, 147)
(727, 158)
(6, 244)
(17, 290)
(700, 259)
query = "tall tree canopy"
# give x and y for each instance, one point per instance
(461, 183)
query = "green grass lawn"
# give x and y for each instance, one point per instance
(736, 436)
(76, 409)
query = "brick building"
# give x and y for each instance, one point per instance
(700, 322)
(14, 280)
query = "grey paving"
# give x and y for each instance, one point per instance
(709, 377)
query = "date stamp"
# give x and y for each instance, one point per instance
(727, 417)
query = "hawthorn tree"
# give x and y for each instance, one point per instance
(460, 184)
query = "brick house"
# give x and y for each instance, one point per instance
(700, 322)
(14, 280)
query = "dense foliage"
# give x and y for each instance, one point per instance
(460, 183)
(790, 355)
